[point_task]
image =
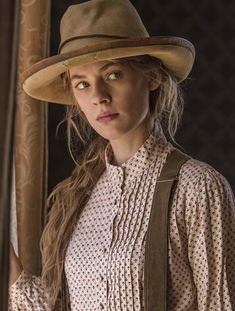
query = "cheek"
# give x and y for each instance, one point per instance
(82, 101)
(139, 101)
(87, 111)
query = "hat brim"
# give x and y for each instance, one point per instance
(43, 79)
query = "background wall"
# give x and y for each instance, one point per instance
(208, 128)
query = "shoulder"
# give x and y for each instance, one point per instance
(197, 174)
(199, 186)
(202, 195)
(201, 189)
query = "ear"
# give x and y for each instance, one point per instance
(155, 81)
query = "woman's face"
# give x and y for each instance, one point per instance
(113, 96)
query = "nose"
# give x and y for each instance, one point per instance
(101, 94)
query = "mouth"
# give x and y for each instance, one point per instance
(107, 117)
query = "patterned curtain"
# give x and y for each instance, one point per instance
(31, 137)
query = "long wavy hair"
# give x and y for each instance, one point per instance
(69, 197)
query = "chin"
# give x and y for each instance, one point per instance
(111, 134)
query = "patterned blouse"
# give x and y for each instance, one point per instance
(105, 257)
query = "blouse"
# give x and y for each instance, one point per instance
(105, 258)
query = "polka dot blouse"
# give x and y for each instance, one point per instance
(105, 257)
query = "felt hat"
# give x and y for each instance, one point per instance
(103, 30)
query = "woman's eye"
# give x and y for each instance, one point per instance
(81, 85)
(115, 75)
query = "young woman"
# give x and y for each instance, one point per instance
(122, 91)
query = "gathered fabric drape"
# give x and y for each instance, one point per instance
(31, 137)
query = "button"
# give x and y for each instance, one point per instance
(101, 306)
(115, 201)
(104, 250)
(101, 277)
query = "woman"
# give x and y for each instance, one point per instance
(121, 88)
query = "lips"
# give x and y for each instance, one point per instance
(106, 115)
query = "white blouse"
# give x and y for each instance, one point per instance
(105, 257)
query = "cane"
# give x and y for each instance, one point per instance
(9, 26)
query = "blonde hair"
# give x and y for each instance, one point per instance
(69, 197)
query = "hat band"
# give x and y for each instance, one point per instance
(62, 44)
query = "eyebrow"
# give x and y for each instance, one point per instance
(76, 76)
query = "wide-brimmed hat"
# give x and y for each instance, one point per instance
(103, 30)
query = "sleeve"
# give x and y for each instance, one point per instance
(27, 294)
(211, 242)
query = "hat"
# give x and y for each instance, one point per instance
(103, 30)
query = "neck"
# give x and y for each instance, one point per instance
(127, 145)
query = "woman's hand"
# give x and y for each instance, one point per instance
(15, 266)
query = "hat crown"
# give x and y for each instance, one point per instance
(95, 20)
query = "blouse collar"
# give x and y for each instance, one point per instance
(152, 147)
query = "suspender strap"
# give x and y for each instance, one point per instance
(65, 303)
(156, 250)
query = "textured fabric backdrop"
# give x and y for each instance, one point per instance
(31, 137)
(208, 127)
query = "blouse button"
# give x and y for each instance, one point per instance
(101, 306)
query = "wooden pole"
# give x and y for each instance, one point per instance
(9, 26)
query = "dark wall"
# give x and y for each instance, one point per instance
(208, 128)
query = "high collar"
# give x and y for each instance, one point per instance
(151, 149)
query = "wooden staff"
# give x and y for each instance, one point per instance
(9, 26)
